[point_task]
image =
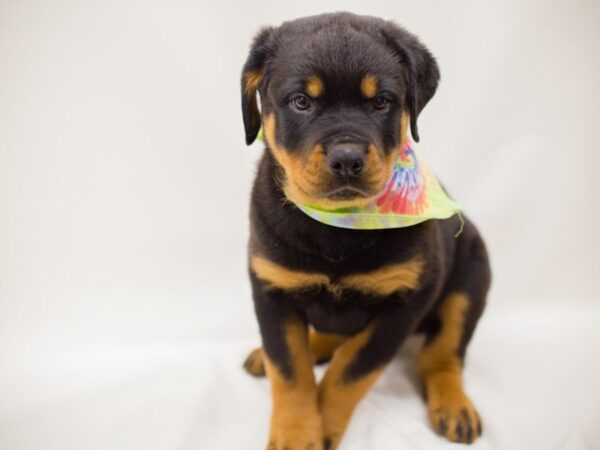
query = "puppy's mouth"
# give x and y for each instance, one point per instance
(346, 193)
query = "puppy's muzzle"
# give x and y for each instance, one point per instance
(346, 160)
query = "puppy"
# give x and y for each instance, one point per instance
(340, 94)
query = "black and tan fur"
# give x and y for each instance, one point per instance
(354, 85)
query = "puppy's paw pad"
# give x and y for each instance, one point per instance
(254, 364)
(457, 420)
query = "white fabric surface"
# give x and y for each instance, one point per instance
(125, 311)
(531, 375)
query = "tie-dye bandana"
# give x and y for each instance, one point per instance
(412, 195)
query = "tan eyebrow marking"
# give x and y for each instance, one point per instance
(368, 86)
(314, 86)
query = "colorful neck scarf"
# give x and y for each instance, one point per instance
(411, 196)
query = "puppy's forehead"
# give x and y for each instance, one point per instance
(339, 56)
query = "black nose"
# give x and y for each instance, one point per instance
(346, 159)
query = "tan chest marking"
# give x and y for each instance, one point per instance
(281, 277)
(384, 281)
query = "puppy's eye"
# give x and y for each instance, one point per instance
(381, 102)
(300, 102)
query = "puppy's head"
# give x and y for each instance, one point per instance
(338, 94)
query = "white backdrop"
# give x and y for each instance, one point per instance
(125, 309)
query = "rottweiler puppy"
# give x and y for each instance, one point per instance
(340, 94)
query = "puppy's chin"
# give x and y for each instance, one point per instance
(345, 194)
(343, 197)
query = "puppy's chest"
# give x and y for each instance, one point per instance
(382, 280)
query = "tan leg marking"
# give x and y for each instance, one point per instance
(295, 420)
(384, 281)
(450, 411)
(322, 346)
(337, 396)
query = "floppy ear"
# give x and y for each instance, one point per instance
(253, 75)
(423, 73)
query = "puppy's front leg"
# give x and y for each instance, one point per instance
(295, 420)
(355, 367)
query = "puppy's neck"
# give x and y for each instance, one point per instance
(282, 222)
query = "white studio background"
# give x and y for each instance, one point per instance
(124, 188)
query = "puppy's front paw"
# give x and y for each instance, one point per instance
(454, 416)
